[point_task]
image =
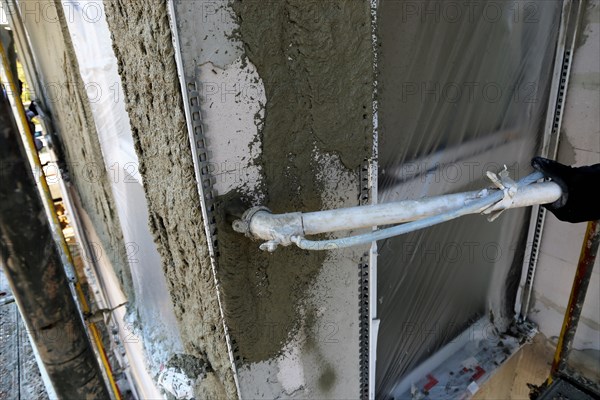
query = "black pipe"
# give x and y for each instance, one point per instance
(34, 269)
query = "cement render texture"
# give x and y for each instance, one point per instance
(143, 46)
(65, 99)
(315, 61)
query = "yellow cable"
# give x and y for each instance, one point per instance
(109, 373)
(41, 180)
(34, 158)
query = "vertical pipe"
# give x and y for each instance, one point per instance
(34, 269)
(583, 275)
(49, 206)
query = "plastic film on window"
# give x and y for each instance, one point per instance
(463, 89)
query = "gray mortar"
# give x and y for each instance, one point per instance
(144, 50)
(70, 111)
(261, 290)
(315, 60)
(321, 99)
(93, 187)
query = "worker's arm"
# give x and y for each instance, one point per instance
(580, 186)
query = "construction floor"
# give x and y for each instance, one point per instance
(19, 374)
(532, 365)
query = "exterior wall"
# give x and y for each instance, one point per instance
(144, 49)
(153, 308)
(561, 241)
(293, 315)
(65, 99)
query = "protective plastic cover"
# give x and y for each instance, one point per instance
(463, 90)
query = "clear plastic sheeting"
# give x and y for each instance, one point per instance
(463, 90)
(98, 68)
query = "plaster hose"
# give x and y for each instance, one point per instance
(474, 207)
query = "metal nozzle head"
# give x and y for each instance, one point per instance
(241, 226)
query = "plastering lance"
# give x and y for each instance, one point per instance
(409, 215)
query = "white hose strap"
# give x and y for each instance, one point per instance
(508, 186)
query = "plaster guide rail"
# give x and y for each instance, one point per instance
(204, 180)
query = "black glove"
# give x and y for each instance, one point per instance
(580, 200)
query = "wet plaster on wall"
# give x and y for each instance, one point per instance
(67, 104)
(143, 46)
(315, 62)
(331, 347)
(317, 350)
(579, 143)
(233, 101)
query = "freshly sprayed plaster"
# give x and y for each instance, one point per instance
(285, 98)
(143, 46)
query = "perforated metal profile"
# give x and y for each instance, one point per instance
(570, 19)
(363, 292)
(200, 155)
(202, 160)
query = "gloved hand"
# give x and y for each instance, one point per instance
(580, 200)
